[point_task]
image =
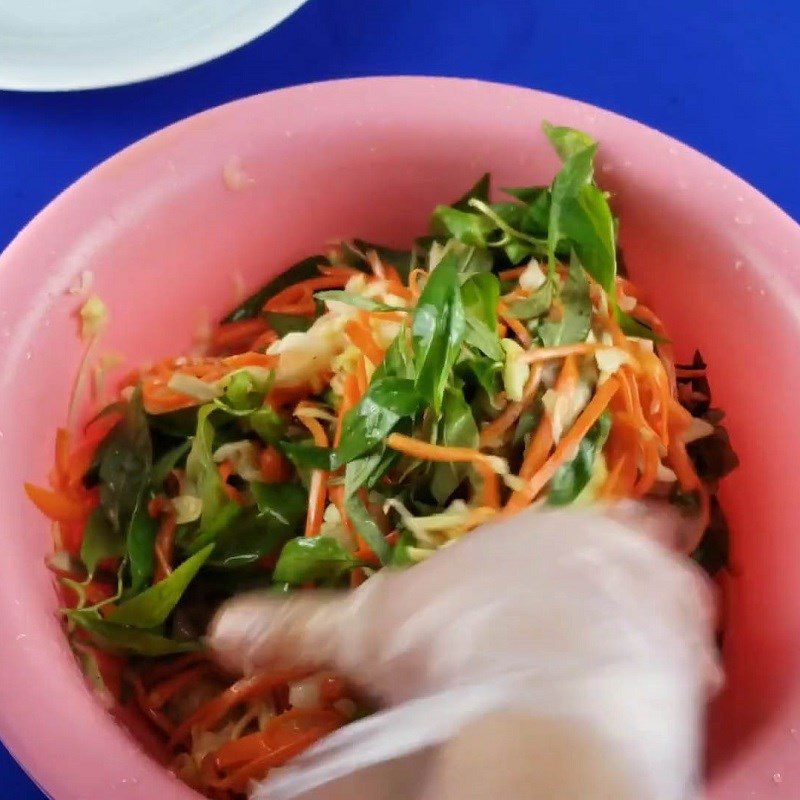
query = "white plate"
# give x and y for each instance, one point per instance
(83, 44)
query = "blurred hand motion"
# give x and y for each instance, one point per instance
(554, 655)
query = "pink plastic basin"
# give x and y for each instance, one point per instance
(164, 234)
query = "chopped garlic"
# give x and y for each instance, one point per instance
(243, 456)
(698, 429)
(187, 508)
(664, 474)
(533, 277)
(194, 387)
(563, 407)
(515, 370)
(609, 360)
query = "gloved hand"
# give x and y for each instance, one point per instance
(553, 655)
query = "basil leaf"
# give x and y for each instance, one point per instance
(100, 541)
(567, 141)
(124, 471)
(307, 455)
(356, 300)
(139, 545)
(527, 194)
(480, 295)
(129, 640)
(437, 330)
(534, 306)
(251, 307)
(267, 424)
(586, 222)
(279, 514)
(316, 558)
(150, 608)
(457, 429)
(367, 528)
(632, 327)
(203, 475)
(398, 361)
(576, 172)
(575, 308)
(167, 462)
(572, 477)
(372, 419)
(466, 226)
(358, 471)
(480, 191)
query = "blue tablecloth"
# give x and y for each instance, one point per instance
(722, 77)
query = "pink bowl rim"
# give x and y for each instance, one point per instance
(21, 732)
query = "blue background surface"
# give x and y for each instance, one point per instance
(723, 79)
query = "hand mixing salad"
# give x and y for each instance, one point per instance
(363, 410)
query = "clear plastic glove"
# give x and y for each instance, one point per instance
(557, 654)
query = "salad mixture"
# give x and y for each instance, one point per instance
(362, 410)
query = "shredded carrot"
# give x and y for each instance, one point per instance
(63, 445)
(262, 342)
(535, 456)
(520, 331)
(649, 468)
(511, 413)
(560, 351)
(154, 715)
(161, 672)
(164, 547)
(299, 297)
(317, 494)
(58, 505)
(231, 335)
(210, 713)
(413, 282)
(511, 274)
(565, 449)
(361, 375)
(298, 742)
(163, 692)
(361, 336)
(244, 750)
(682, 465)
(425, 451)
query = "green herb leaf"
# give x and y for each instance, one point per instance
(586, 222)
(572, 477)
(279, 514)
(567, 141)
(251, 307)
(150, 608)
(632, 327)
(437, 330)
(129, 640)
(534, 306)
(576, 313)
(356, 300)
(139, 544)
(466, 226)
(244, 393)
(167, 462)
(367, 528)
(125, 462)
(400, 557)
(480, 191)
(480, 295)
(202, 474)
(316, 558)
(290, 323)
(457, 429)
(372, 419)
(398, 361)
(100, 541)
(307, 455)
(267, 424)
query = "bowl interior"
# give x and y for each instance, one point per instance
(168, 238)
